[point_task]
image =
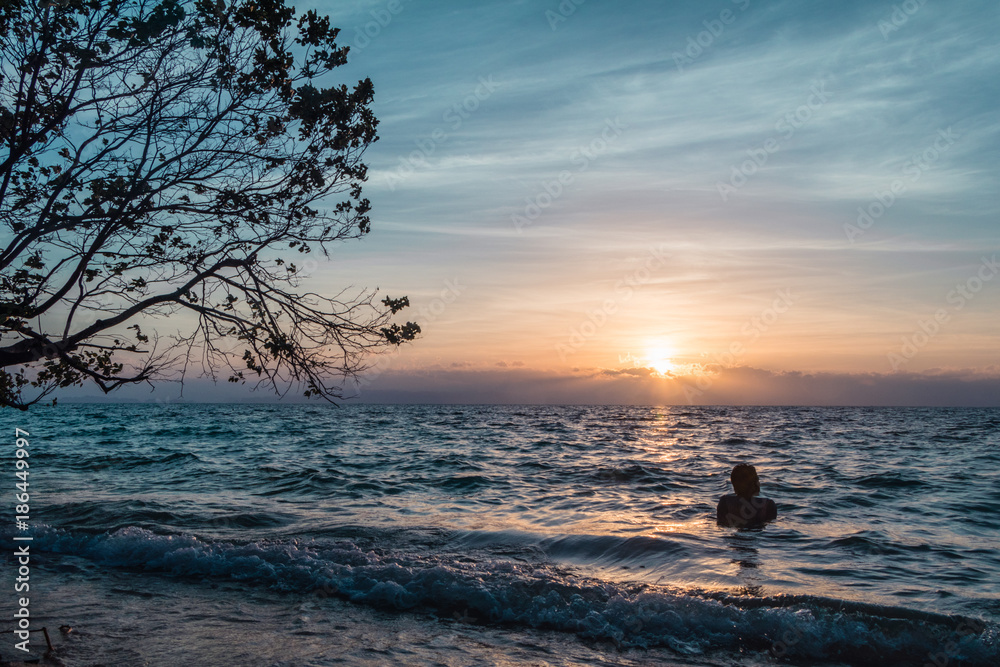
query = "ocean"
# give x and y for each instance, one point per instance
(171, 534)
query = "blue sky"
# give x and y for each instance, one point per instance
(577, 191)
(746, 137)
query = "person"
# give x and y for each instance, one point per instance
(742, 509)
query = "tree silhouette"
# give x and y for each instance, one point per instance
(178, 158)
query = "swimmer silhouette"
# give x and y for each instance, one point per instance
(742, 509)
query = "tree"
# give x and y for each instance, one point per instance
(166, 157)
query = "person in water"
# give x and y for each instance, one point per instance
(742, 509)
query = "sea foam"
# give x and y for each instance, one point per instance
(498, 591)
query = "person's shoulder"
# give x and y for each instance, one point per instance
(728, 499)
(771, 508)
(727, 512)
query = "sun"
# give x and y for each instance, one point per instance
(660, 359)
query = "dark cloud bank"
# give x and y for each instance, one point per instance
(728, 386)
(635, 386)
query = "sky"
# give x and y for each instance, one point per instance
(731, 201)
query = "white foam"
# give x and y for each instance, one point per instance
(496, 590)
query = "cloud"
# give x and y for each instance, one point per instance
(688, 128)
(637, 372)
(742, 385)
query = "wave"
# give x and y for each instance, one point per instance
(888, 480)
(100, 514)
(625, 473)
(490, 590)
(129, 462)
(596, 550)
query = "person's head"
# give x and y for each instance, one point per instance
(745, 480)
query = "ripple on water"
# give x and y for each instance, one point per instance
(862, 491)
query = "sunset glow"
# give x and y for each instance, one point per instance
(584, 225)
(496, 333)
(661, 360)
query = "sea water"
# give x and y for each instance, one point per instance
(423, 535)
